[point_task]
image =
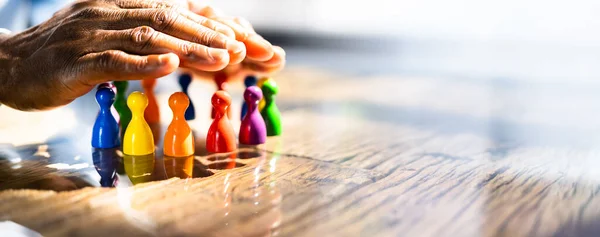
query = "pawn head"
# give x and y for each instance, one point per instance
(137, 102)
(269, 88)
(179, 102)
(250, 81)
(262, 80)
(106, 85)
(105, 97)
(253, 94)
(185, 79)
(221, 100)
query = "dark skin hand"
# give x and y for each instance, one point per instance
(95, 41)
(260, 60)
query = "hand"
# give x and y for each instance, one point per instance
(93, 41)
(262, 59)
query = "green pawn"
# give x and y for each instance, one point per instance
(270, 112)
(121, 105)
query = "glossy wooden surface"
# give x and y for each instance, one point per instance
(360, 156)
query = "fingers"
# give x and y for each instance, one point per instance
(120, 66)
(239, 71)
(181, 23)
(211, 24)
(201, 8)
(143, 4)
(207, 22)
(145, 40)
(276, 63)
(195, 26)
(278, 57)
(241, 33)
(257, 48)
(172, 23)
(245, 23)
(236, 57)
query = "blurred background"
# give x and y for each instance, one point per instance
(539, 40)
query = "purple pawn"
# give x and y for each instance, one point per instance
(253, 130)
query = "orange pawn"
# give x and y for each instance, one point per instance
(221, 137)
(179, 141)
(152, 113)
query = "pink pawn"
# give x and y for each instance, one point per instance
(253, 130)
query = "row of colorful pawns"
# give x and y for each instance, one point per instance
(260, 118)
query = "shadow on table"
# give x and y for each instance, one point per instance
(132, 170)
(60, 165)
(33, 167)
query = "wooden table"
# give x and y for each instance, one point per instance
(360, 156)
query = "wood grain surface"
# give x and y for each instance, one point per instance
(365, 155)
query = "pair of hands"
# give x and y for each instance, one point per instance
(95, 41)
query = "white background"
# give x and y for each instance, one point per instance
(564, 22)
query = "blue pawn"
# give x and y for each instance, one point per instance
(185, 80)
(105, 162)
(106, 128)
(249, 81)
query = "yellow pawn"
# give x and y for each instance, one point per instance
(259, 84)
(138, 139)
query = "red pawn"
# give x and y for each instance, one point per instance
(220, 137)
(221, 81)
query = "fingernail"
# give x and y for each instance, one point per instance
(244, 34)
(263, 42)
(217, 55)
(163, 59)
(235, 47)
(281, 50)
(153, 63)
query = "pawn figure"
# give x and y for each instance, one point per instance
(270, 112)
(138, 139)
(253, 130)
(113, 110)
(121, 105)
(221, 81)
(184, 81)
(260, 83)
(179, 141)
(152, 113)
(248, 82)
(106, 129)
(220, 137)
